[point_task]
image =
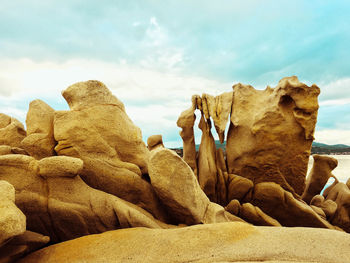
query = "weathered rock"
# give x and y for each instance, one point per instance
(154, 141)
(219, 109)
(280, 204)
(6, 149)
(11, 131)
(61, 205)
(98, 131)
(40, 141)
(340, 194)
(207, 171)
(22, 245)
(59, 166)
(178, 189)
(105, 115)
(239, 188)
(319, 175)
(250, 214)
(12, 220)
(221, 185)
(186, 122)
(328, 206)
(225, 242)
(264, 123)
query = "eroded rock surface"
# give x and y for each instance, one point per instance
(60, 205)
(105, 178)
(12, 220)
(22, 245)
(207, 171)
(186, 122)
(12, 132)
(264, 123)
(281, 205)
(177, 187)
(40, 141)
(251, 214)
(319, 175)
(340, 194)
(98, 131)
(225, 242)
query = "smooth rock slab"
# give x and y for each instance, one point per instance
(224, 242)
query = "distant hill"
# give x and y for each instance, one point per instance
(317, 148)
(330, 149)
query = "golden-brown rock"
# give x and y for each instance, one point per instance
(222, 175)
(239, 188)
(207, 171)
(225, 242)
(281, 205)
(101, 126)
(154, 141)
(58, 166)
(319, 175)
(264, 123)
(186, 122)
(178, 189)
(340, 194)
(250, 214)
(329, 207)
(98, 131)
(61, 205)
(11, 131)
(12, 220)
(40, 141)
(219, 109)
(22, 245)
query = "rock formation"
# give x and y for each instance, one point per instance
(186, 122)
(11, 131)
(179, 190)
(12, 220)
(225, 242)
(319, 175)
(340, 194)
(264, 124)
(75, 178)
(57, 203)
(98, 131)
(15, 241)
(40, 141)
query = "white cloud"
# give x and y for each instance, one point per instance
(153, 99)
(14, 112)
(335, 102)
(156, 35)
(335, 92)
(333, 136)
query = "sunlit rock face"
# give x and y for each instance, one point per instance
(271, 133)
(86, 171)
(12, 131)
(269, 138)
(40, 141)
(98, 130)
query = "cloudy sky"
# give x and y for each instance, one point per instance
(154, 55)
